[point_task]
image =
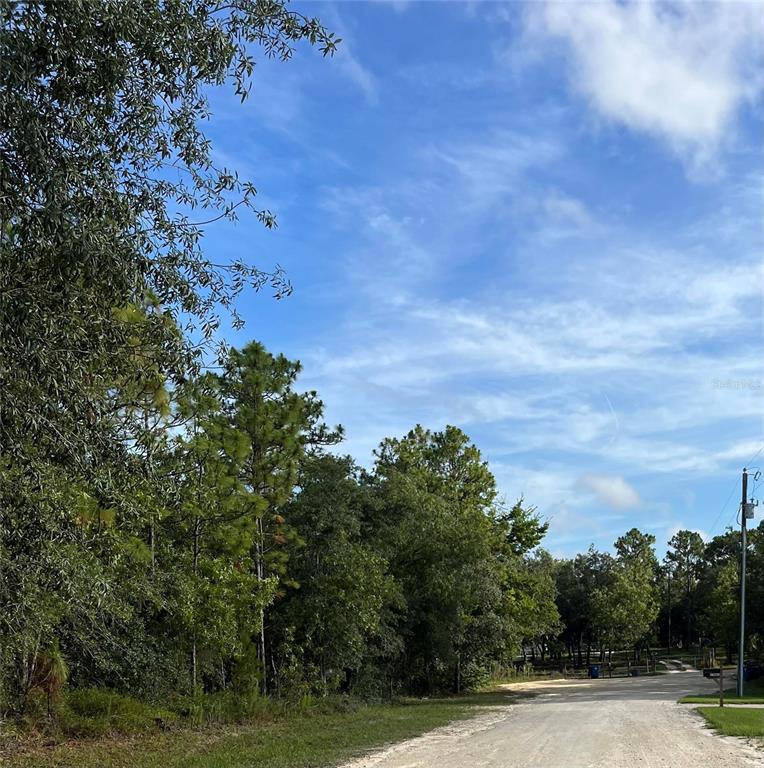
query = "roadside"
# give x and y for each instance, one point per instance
(744, 721)
(754, 694)
(324, 735)
(555, 723)
(618, 723)
(740, 716)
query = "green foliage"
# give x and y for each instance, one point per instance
(178, 531)
(627, 602)
(89, 712)
(456, 555)
(331, 625)
(626, 609)
(105, 102)
(171, 531)
(233, 705)
(524, 529)
(50, 673)
(330, 732)
(106, 182)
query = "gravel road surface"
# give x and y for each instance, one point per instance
(619, 723)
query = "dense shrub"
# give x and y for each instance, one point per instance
(98, 712)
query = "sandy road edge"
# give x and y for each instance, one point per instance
(754, 748)
(485, 717)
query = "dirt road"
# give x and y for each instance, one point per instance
(619, 723)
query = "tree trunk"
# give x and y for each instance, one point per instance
(152, 532)
(195, 569)
(260, 578)
(194, 669)
(152, 538)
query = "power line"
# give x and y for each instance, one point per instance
(732, 490)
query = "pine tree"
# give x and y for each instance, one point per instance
(280, 425)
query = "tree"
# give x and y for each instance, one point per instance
(722, 610)
(333, 627)
(524, 529)
(636, 550)
(210, 534)
(279, 425)
(626, 609)
(107, 182)
(455, 553)
(577, 582)
(684, 557)
(535, 610)
(717, 592)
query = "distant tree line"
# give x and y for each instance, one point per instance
(689, 602)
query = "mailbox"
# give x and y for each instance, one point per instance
(717, 673)
(711, 671)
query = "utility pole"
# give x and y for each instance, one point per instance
(743, 548)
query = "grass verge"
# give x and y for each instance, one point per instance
(308, 738)
(737, 721)
(754, 694)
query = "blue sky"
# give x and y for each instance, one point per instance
(541, 223)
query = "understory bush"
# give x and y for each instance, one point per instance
(89, 712)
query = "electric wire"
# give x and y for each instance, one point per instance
(712, 530)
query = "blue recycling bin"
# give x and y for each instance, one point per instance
(594, 671)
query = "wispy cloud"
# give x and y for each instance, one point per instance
(622, 364)
(678, 71)
(347, 62)
(611, 490)
(408, 231)
(354, 71)
(399, 6)
(516, 258)
(494, 168)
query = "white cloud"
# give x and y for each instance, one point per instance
(612, 491)
(494, 168)
(594, 357)
(405, 233)
(348, 64)
(674, 528)
(744, 451)
(678, 71)
(624, 358)
(399, 6)
(360, 76)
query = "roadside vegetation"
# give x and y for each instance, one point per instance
(313, 734)
(735, 721)
(753, 690)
